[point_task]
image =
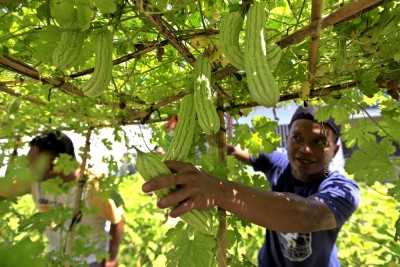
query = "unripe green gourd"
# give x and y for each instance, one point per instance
(231, 25)
(262, 85)
(149, 165)
(206, 111)
(68, 50)
(102, 73)
(183, 135)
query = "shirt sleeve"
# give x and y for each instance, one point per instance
(342, 196)
(269, 163)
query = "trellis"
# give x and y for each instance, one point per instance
(343, 14)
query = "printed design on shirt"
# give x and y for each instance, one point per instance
(44, 204)
(295, 246)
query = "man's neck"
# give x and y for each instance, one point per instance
(306, 178)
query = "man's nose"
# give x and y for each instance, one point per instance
(305, 147)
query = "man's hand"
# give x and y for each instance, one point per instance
(196, 188)
(230, 149)
(110, 263)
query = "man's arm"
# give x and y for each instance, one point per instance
(284, 212)
(109, 211)
(14, 187)
(239, 154)
(116, 231)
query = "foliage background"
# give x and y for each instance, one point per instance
(365, 240)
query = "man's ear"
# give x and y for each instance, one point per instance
(50, 171)
(335, 150)
(51, 167)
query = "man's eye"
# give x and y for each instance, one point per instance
(296, 137)
(322, 142)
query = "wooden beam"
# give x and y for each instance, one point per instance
(24, 69)
(7, 90)
(144, 7)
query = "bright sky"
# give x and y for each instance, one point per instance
(98, 150)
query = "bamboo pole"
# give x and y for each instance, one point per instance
(77, 213)
(315, 16)
(221, 144)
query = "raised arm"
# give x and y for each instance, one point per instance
(284, 212)
(239, 154)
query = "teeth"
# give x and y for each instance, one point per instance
(306, 161)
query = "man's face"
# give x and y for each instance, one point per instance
(311, 147)
(40, 164)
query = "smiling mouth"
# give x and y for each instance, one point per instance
(305, 161)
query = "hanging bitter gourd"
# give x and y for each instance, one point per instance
(262, 85)
(229, 32)
(183, 135)
(68, 50)
(102, 73)
(149, 165)
(231, 25)
(206, 111)
(274, 54)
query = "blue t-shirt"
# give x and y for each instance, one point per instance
(305, 249)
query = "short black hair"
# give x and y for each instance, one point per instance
(308, 113)
(54, 142)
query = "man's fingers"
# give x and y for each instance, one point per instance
(160, 182)
(181, 209)
(178, 196)
(181, 167)
(174, 166)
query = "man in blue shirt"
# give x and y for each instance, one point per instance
(307, 204)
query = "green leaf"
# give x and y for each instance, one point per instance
(359, 133)
(117, 198)
(373, 162)
(340, 109)
(14, 106)
(367, 79)
(84, 17)
(105, 6)
(65, 163)
(18, 169)
(54, 186)
(261, 137)
(64, 12)
(43, 52)
(191, 249)
(11, 255)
